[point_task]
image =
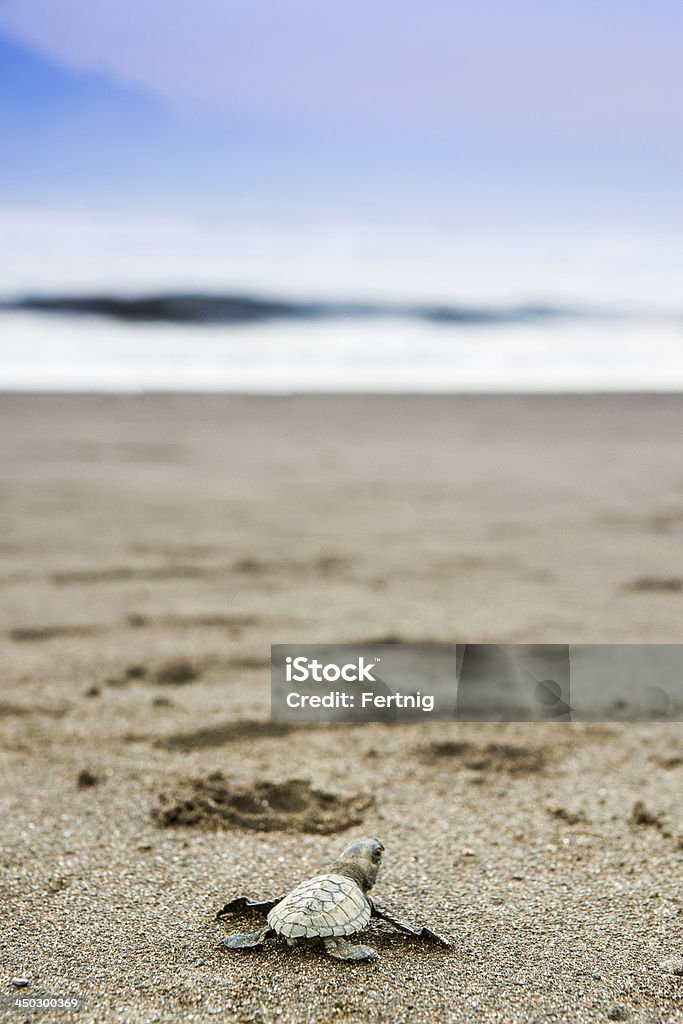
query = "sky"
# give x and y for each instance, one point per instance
(500, 104)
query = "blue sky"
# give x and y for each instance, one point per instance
(448, 102)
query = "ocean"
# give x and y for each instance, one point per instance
(128, 301)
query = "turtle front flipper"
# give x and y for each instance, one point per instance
(247, 940)
(406, 927)
(243, 903)
(340, 949)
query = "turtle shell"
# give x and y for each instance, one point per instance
(323, 906)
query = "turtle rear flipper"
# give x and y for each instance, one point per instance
(406, 927)
(247, 940)
(340, 949)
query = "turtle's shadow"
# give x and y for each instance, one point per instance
(382, 937)
(306, 950)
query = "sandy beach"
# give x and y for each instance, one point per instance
(152, 548)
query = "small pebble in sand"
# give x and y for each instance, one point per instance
(93, 691)
(86, 779)
(640, 815)
(673, 964)
(21, 982)
(177, 672)
(136, 672)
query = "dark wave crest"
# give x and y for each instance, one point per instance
(198, 308)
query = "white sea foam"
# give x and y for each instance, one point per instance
(455, 264)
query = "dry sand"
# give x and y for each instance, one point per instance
(137, 532)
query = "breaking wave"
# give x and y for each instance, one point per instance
(236, 309)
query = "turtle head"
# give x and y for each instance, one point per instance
(361, 861)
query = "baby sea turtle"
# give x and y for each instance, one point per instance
(327, 908)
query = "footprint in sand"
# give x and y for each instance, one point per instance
(210, 802)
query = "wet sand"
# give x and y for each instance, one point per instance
(152, 549)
